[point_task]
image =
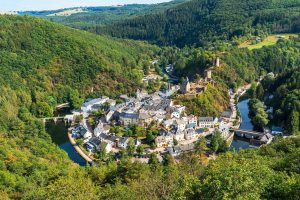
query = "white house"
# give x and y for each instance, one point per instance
(224, 128)
(123, 142)
(98, 130)
(101, 129)
(164, 140)
(109, 115)
(87, 135)
(137, 142)
(81, 131)
(106, 146)
(192, 120)
(180, 124)
(93, 104)
(127, 118)
(159, 118)
(178, 108)
(207, 122)
(175, 114)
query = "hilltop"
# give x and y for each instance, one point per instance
(200, 22)
(84, 17)
(53, 57)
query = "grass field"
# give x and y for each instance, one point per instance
(270, 40)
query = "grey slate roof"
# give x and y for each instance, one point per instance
(95, 141)
(206, 119)
(129, 115)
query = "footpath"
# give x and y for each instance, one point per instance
(78, 149)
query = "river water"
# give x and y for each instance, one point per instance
(58, 132)
(239, 142)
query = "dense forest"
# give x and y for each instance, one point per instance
(283, 95)
(103, 15)
(51, 63)
(200, 22)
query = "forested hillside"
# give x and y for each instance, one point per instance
(201, 21)
(238, 67)
(93, 16)
(284, 97)
(51, 63)
(43, 63)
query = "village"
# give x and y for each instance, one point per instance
(177, 132)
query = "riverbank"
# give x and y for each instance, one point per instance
(78, 149)
(239, 93)
(59, 134)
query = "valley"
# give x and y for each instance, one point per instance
(178, 100)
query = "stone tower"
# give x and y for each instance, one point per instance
(217, 62)
(185, 86)
(208, 75)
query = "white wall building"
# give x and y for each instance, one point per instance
(175, 114)
(180, 124)
(88, 106)
(207, 122)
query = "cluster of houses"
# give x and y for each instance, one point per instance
(188, 128)
(144, 109)
(101, 139)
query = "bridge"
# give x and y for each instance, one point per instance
(64, 105)
(247, 133)
(66, 119)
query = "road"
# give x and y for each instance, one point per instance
(78, 149)
(240, 91)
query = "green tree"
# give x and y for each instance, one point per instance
(44, 110)
(153, 160)
(293, 123)
(175, 142)
(168, 160)
(140, 150)
(260, 92)
(75, 100)
(252, 90)
(218, 143)
(130, 147)
(200, 146)
(150, 137)
(215, 140)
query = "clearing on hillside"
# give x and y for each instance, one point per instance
(270, 40)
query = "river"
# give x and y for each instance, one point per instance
(239, 142)
(58, 132)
